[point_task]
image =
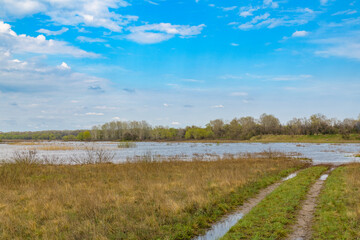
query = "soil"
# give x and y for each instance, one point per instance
(302, 230)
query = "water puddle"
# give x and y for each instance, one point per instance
(220, 228)
(290, 176)
(324, 177)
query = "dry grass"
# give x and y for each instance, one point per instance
(57, 148)
(50, 146)
(145, 200)
(25, 143)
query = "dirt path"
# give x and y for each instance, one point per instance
(302, 229)
(223, 226)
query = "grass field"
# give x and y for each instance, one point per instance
(144, 200)
(338, 211)
(271, 218)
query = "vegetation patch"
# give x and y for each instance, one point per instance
(338, 212)
(144, 200)
(271, 218)
(126, 145)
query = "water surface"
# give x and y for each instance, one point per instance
(319, 153)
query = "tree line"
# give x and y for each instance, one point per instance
(243, 128)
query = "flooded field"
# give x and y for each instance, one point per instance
(319, 153)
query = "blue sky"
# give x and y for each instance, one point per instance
(74, 64)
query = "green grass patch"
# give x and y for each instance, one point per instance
(338, 212)
(271, 218)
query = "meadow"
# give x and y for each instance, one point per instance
(338, 211)
(141, 200)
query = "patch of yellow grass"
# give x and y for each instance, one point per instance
(26, 143)
(145, 200)
(50, 146)
(57, 148)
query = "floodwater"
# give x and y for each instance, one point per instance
(319, 153)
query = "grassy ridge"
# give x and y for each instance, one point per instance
(271, 218)
(145, 200)
(338, 212)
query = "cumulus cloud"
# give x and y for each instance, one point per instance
(52, 33)
(64, 66)
(155, 33)
(71, 12)
(300, 34)
(27, 76)
(22, 43)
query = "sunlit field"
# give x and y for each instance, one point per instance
(142, 200)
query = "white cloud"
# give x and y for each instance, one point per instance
(348, 47)
(89, 40)
(271, 3)
(234, 44)
(292, 18)
(52, 33)
(300, 34)
(217, 106)
(346, 12)
(155, 33)
(22, 43)
(228, 76)
(94, 114)
(71, 12)
(247, 11)
(229, 8)
(64, 66)
(151, 2)
(175, 123)
(105, 107)
(166, 105)
(323, 2)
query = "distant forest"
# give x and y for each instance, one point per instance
(243, 128)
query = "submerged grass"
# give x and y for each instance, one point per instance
(126, 145)
(145, 200)
(338, 212)
(271, 218)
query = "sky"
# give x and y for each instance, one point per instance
(73, 64)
